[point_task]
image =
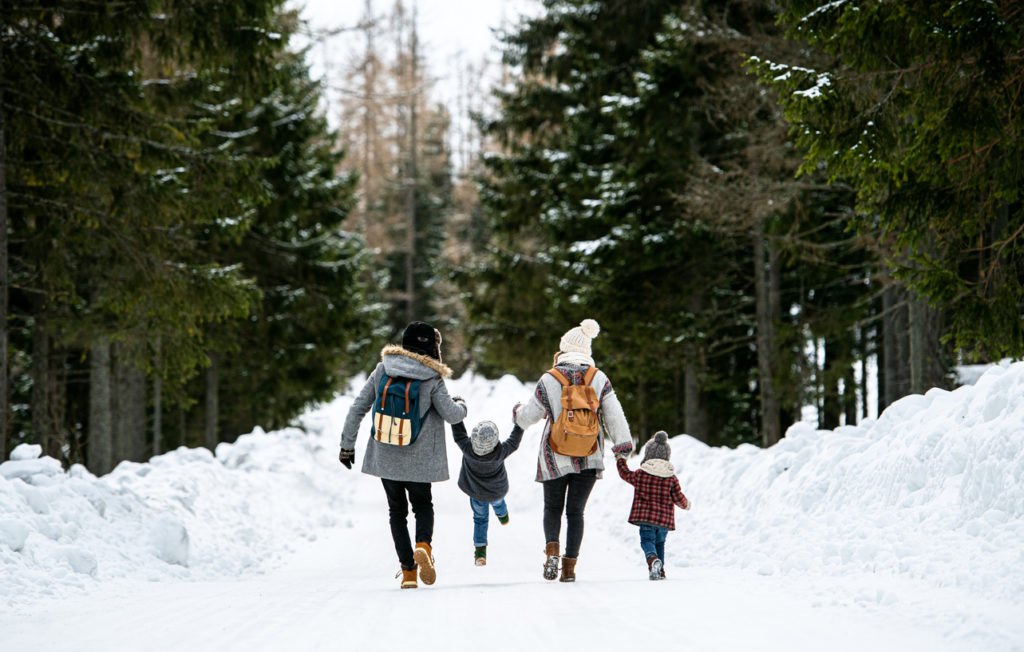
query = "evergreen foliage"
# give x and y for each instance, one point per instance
(921, 112)
(311, 328)
(639, 159)
(170, 195)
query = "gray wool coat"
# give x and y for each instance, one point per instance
(425, 460)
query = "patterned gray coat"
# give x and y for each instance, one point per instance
(426, 460)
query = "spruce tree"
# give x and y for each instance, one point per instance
(311, 326)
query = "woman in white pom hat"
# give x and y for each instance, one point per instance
(569, 478)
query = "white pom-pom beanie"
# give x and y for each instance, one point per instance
(577, 340)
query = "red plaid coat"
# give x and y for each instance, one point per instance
(654, 497)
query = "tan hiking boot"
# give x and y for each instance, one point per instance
(425, 560)
(551, 560)
(568, 570)
(408, 578)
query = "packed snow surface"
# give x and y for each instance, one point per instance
(905, 532)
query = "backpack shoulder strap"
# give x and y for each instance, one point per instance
(589, 376)
(559, 376)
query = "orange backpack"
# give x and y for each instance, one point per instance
(574, 432)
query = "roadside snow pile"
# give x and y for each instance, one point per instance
(933, 490)
(185, 514)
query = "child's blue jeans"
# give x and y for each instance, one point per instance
(652, 540)
(481, 514)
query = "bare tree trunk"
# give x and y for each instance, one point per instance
(770, 421)
(865, 348)
(643, 433)
(677, 388)
(135, 413)
(849, 395)
(158, 386)
(43, 428)
(887, 358)
(695, 422)
(410, 242)
(837, 368)
(128, 409)
(118, 436)
(100, 446)
(182, 428)
(880, 358)
(5, 399)
(210, 434)
(895, 343)
(916, 327)
(62, 445)
(695, 415)
(927, 367)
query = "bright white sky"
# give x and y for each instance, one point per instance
(449, 29)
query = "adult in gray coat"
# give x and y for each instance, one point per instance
(407, 471)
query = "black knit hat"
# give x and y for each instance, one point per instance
(423, 339)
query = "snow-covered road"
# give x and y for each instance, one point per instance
(899, 535)
(339, 593)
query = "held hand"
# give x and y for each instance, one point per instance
(346, 457)
(515, 411)
(687, 507)
(459, 399)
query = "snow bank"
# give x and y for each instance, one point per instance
(933, 491)
(186, 514)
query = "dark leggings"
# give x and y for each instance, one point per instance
(398, 510)
(570, 492)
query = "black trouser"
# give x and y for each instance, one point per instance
(398, 509)
(570, 492)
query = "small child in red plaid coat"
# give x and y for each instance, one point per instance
(656, 493)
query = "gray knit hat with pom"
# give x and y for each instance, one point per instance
(484, 437)
(658, 447)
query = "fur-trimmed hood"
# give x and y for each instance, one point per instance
(403, 363)
(659, 467)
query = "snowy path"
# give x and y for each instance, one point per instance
(338, 592)
(904, 534)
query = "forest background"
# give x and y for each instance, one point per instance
(776, 210)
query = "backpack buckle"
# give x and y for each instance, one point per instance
(570, 415)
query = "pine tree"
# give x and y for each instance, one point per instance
(310, 327)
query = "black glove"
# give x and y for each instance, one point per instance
(346, 457)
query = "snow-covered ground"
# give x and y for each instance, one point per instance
(905, 533)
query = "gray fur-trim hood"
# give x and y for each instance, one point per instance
(441, 368)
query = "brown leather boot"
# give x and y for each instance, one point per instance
(409, 578)
(425, 560)
(551, 560)
(568, 570)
